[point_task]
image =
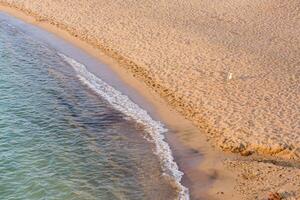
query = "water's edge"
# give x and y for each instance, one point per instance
(122, 103)
(89, 75)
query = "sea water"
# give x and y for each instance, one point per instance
(66, 134)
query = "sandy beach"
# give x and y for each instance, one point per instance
(232, 68)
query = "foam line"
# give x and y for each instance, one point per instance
(122, 103)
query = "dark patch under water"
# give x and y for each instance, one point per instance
(58, 140)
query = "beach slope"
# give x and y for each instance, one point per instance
(231, 67)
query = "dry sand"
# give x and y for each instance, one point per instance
(232, 67)
(259, 178)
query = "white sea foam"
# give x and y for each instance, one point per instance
(122, 103)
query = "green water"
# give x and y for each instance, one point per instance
(59, 140)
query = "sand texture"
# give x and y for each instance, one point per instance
(232, 67)
(259, 179)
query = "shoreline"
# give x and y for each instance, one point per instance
(198, 166)
(240, 115)
(185, 144)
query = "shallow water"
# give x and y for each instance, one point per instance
(60, 140)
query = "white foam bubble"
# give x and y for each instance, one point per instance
(122, 103)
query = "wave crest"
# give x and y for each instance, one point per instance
(122, 103)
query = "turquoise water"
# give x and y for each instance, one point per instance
(60, 140)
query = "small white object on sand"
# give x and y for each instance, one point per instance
(229, 77)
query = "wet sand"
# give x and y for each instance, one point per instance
(180, 131)
(241, 103)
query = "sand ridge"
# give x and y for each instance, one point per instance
(258, 178)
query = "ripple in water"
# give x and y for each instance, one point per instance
(60, 140)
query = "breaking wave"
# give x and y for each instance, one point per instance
(122, 103)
